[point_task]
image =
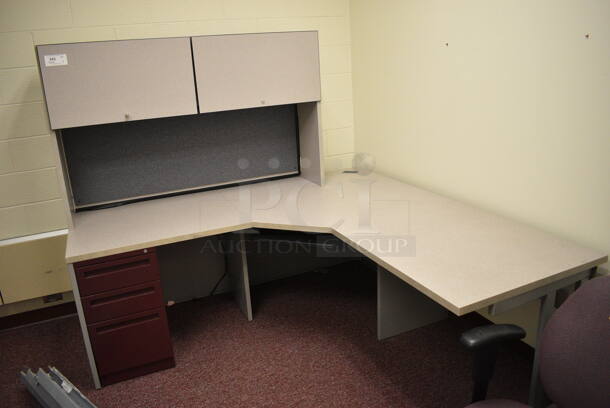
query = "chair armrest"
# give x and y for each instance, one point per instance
(484, 342)
(493, 334)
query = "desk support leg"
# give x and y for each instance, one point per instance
(537, 397)
(401, 308)
(83, 326)
(237, 270)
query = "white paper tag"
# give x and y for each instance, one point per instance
(55, 60)
(67, 388)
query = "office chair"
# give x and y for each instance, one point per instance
(574, 352)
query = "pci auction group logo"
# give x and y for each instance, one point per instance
(283, 201)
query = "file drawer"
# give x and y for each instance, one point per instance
(116, 272)
(128, 254)
(132, 345)
(120, 302)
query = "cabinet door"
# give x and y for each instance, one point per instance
(252, 70)
(113, 81)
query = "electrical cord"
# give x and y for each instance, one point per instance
(217, 284)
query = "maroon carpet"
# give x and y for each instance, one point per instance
(312, 344)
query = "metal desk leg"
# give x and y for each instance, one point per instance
(538, 398)
(401, 307)
(83, 326)
(237, 269)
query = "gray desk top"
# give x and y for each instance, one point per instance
(462, 257)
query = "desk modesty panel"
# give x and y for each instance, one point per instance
(460, 256)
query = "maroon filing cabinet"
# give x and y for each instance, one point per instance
(124, 310)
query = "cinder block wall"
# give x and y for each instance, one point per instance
(31, 196)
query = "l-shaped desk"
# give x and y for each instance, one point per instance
(433, 253)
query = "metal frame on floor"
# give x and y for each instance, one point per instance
(53, 390)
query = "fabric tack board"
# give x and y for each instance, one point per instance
(123, 161)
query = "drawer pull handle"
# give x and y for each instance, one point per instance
(113, 268)
(121, 296)
(132, 322)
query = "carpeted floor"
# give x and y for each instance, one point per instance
(312, 344)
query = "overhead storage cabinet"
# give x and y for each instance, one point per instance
(113, 81)
(252, 70)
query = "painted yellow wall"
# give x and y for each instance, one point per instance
(513, 115)
(31, 195)
(503, 104)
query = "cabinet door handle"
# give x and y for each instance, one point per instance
(113, 266)
(122, 296)
(126, 323)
